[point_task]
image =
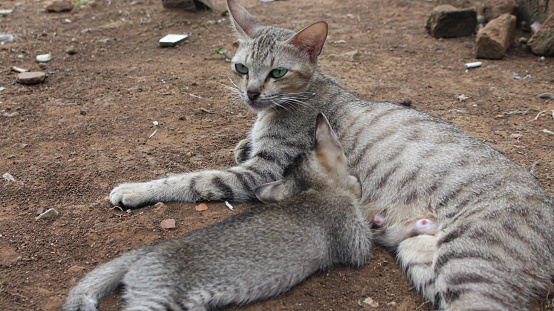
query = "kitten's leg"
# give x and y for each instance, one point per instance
(415, 256)
(235, 184)
(243, 150)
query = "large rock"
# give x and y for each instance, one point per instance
(542, 42)
(189, 5)
(496, 37)
(494, 8)
(448, 22)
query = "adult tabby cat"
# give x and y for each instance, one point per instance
(494, 249)
(253, 255)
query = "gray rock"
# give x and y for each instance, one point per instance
(547, 96)
(33, 77)
(448, 22)
(44, 58)
(51, 213)
(494, 8)
(498, 35)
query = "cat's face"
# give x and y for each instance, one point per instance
(272, 66)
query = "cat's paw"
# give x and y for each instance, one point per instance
(242, 151)
(132, 195)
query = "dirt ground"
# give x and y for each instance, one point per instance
(91, 125)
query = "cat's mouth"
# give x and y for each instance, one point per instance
(257, 105)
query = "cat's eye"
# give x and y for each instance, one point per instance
(278, 72)
(241, 68)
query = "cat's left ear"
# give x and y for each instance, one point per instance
(242, 21)
(311, 39)
(270, 192)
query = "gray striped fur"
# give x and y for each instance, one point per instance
(494, 247)
(315, 223)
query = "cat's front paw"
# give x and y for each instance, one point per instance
(132, 195)
(242, 151)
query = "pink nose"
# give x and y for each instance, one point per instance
(253, 95)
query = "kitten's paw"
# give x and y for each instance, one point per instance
(132, 195)
(427, 226)
(242, 151)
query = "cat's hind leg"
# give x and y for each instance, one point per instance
(415, 256)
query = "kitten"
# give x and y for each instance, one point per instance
(494, 248)
(249, 256)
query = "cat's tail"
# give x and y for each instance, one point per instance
(100, 282)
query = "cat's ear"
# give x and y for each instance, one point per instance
(327, 145)
(270, 192)
(311, 39)
(244, 23)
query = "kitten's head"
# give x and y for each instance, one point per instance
(324, 168)
(273, 66)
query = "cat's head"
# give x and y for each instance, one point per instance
(273, 66)
(324, 168)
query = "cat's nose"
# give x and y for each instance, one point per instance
(253, 94)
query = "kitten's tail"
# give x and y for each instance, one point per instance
(100, 282)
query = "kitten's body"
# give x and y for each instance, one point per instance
(253, 255)
(495, 246)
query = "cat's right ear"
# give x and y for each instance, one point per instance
(270, 192)
(244, 23)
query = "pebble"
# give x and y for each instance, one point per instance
(71, 50)
(516, 136)
(168, 224)
(20, 70)
(547, 96)
(474, 65)
(201, 207)
(8, 177)
(58, 6)
(548, 132)
(44, 58)
(370, 302)
(51, 213)
(33, 77)
(104, 40)
(6, 12)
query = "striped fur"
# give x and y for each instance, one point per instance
(495, 242)
(315, 223)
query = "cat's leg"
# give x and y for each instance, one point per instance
(415, 256)
(243, 150)
(235, 184)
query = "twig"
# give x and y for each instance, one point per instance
(539, 114)
(206, 110)
(420, 306)
(153, 134)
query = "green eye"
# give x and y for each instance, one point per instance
(278, 72)
(241, 68)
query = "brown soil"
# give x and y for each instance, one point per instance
(69, 141)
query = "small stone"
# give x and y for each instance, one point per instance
(168, 224)
(10, 114)
(160, 205)
(106, 40)
(44, 58)
(31, 77)
(548, 132)
(201, 207)
(20, 70)
(353, 56)
(448, 22)
(189, 5)
(547, 96)
(51, 213)
(405, 102)
(6, 12)
(498, 35)
(8, 177)
(474, 65)
(58, 6)
(516, 136)
(172, 40)
(370, 302)
(494, 8)
(71, 50)
(542, 42)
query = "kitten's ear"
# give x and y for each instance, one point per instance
(243, 22)
(327, 145)
(270, 192)
(311, 39)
